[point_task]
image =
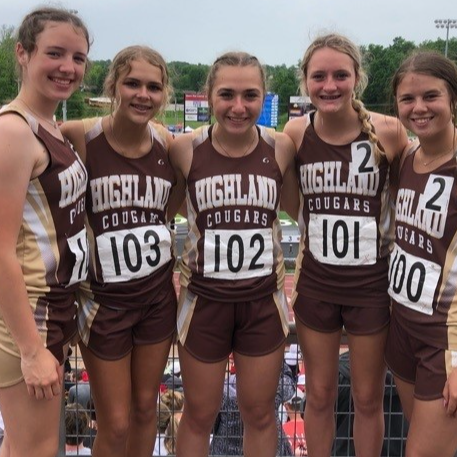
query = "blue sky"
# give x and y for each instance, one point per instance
(276, 31)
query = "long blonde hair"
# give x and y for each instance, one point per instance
(170, 434)
(342, 44)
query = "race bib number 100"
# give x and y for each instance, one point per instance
(134, 253)
(240, 254)
(413, 280)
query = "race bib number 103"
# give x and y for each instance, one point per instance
(134, 253)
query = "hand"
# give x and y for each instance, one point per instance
(450, 394)
(41, 374)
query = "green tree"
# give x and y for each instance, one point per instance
(76, 106)
(8, 76)
(95, 76)
(440, 45)
(284, 82)
(381, 64)
(186, 77)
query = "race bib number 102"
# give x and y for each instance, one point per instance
(240, 254)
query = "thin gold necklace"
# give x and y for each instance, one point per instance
(225, 150)
(52, 123)
(121, 151)
(426, 164)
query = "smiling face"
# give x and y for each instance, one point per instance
(330, 80)
(139, 91)
(237, 97)
(55, 68)
(424, 105)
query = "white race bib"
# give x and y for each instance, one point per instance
(238, 254)
(133, 253)
(413, 280)
(79, 246)
(343, 240)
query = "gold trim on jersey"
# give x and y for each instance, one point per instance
(186, 307)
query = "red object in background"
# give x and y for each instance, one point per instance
(162, 388)
(295, 432)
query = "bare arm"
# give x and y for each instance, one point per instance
(285, 155)
(391, 134)
(21, 158)
(295, 129)
(178, 193)
(181, 152)
(394, 140)
(74, 131)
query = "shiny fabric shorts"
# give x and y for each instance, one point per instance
(416, 361)
(210, 330)
(330, 317)
(111, 333)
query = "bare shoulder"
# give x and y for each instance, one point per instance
(163, 132)
(391, 134)
(74, 131)
(13, 123)
(295, 129)
(18, 144)
(181, 153)
(22, 157)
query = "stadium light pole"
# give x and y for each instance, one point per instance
(446, 24)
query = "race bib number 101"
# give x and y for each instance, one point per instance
(338, 240)
(240, 254)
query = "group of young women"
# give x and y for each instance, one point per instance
(84, 212)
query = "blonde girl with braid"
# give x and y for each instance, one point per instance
(344, 160)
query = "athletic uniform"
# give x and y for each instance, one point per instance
(346, 231)
(51, 248)
(129, 296)
(422, 343)
(232, 255)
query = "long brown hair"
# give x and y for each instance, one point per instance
(430, 63)
(35, 22)
(233, 59)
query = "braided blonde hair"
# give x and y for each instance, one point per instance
(342, 44)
